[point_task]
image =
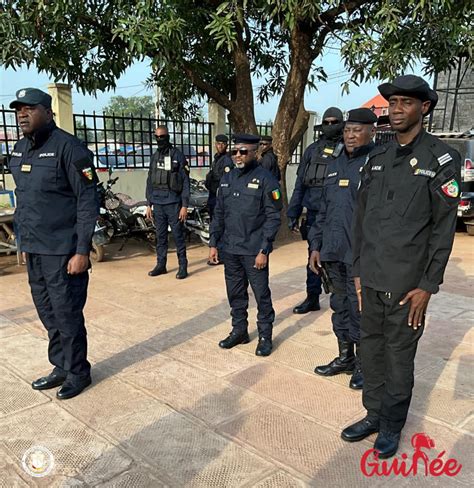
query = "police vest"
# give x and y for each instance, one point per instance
(315, 171)
(165, 173)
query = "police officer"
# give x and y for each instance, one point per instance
(57, 207)
(402, 236)
(247, 219)
(221, 164)
(267, 158)
(308, 189)
(330, 241)
(167, 193)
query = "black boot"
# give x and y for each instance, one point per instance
(387, 444)
(182, 271)
(234, 339)
(264, 347)
(357, 380)
(361, 429)
(159, 269)
(344, 363)
(311, 304)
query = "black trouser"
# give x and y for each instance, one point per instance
(59, 299)
(165, 215)
(388, 348)
(346, 316)
(313, 281)
(239, 271)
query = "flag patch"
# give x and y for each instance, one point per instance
(276, 195)
(87, 172)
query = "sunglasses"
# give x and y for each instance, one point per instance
(330, 122)
(243, 151)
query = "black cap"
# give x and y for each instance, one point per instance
(333, 112)
(245, 139)
(411, 86)
(222, 138)
(266, 138)
(361, 116)
(31, 96)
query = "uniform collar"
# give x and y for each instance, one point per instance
(42, 134)
(361, 151)
(408, 148)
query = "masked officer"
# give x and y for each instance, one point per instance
(167, 193)
(308, 189)
(330, 241)
(403, 233)
(57, 208)
(267, 158)
(247, 219)
(221, 164)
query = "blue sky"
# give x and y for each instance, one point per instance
(132, 84)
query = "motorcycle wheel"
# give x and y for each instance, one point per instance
(97, 253)
(151, 242)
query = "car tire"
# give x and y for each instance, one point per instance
(470, 229)
(97, 253)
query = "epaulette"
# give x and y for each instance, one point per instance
(441, 151)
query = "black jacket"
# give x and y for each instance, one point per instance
(404, 224)
(56, 192)
(269, 161)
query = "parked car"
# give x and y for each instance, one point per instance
(466, 211)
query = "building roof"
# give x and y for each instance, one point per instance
(378, 102)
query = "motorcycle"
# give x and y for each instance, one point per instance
(120, 217)
(199, 219)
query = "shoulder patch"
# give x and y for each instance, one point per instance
(86, 169)
(451, 188)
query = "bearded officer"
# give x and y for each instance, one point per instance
(330, 241)
(308, 190)
(247, 219)
(57, 208)
(403, 234)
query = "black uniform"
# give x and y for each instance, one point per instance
(221, 164)
(308, 190)
(167, 189)
(57, 208)
(246, 221)
(331, 236)
(402, 236)
(269, 161)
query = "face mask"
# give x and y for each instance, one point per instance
(162, 141)
(333, 131)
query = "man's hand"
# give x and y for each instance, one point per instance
(213, 255)
(183, 214)
(149, 212)
(358, 288)
(79, 263)
(261, 261)
(418, 299)
(315, 261)
(293, 224)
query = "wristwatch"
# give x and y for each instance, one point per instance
(264, 252)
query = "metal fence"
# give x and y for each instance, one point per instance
(9, 131)
(128, 142)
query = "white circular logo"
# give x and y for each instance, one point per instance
(21, 93)
(38, 461)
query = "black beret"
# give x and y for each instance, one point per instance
(266, 138)
(361, 116)
(31, 96)
(333, 112)
(222, 138)
(245, 139)
(411, 86)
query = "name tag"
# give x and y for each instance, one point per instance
(328, 150)
(330, 175)
(377, 167)
(17, 154)
(26, 168)
(225, 185)
(425, 172)
(167, 163)
(47, 155)
(253, 185)
(343, 182)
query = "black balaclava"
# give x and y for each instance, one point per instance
(163, 141)
(333, 131)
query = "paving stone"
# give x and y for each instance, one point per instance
(17, 395)
(312, 396)
(197, 392)
(11, 475)
(133, 479)
(280, 479)
(114, 460)
(185, 453)
(73, 445)
(9, 328)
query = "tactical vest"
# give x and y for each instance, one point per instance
(215, 174)
(315, 171)
(164, 179)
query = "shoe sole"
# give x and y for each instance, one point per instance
(304, 313)
(357, 439)
(263, 355)
(334, 374)
(387, 455)
(48, 387)
(355, 387)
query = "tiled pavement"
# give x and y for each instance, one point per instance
(169, 408)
